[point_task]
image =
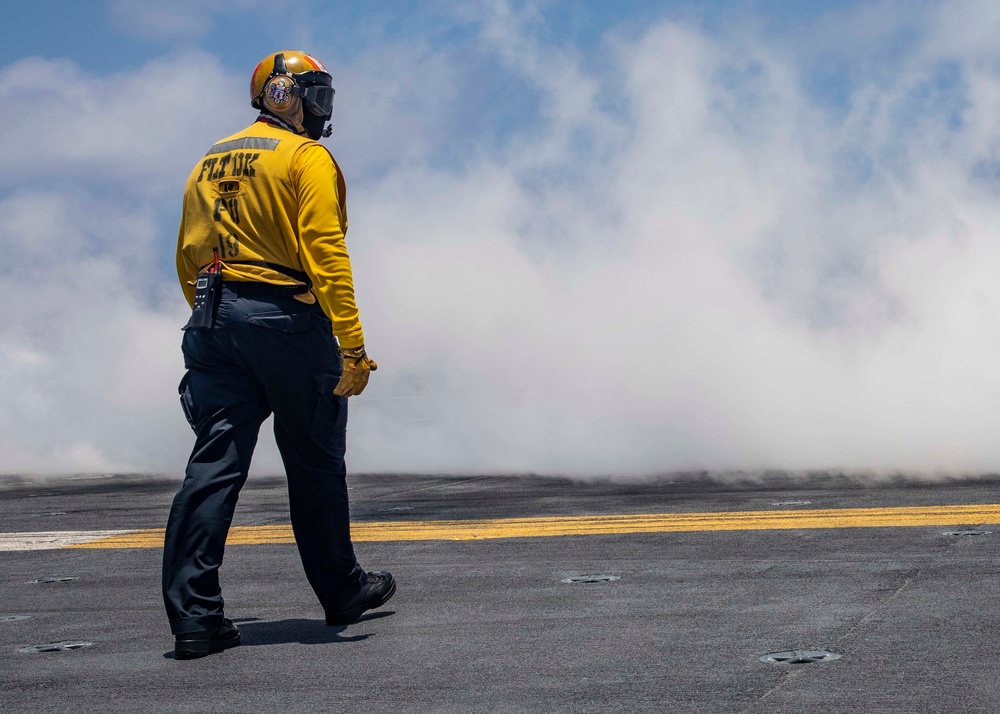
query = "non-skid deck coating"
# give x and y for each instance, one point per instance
(711, 575)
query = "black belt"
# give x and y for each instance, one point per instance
(249, 288)
(269, 289)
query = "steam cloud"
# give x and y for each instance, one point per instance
(691, 259)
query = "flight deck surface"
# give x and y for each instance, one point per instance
(524, 594)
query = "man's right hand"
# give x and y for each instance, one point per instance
(354, 378)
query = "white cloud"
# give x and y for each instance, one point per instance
(144, 127)
(82, 348)
(731, 277)
(391, 104)
(90, 340)
(744, 306)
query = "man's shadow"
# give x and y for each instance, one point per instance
(255, 633)
(303, 632)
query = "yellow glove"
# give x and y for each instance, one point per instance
(354, 379)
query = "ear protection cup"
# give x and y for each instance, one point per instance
(278, 96)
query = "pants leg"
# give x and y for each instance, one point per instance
(225, 408)
(290, 348)
(312, 442)
(265, 353)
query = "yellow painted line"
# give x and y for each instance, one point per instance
(547, 526)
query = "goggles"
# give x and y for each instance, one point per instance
(318, 98)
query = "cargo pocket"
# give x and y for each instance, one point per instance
(295, 322)
(329, 426)
(187, 406)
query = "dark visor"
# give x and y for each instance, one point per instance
(318, 98)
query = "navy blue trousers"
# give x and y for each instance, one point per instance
(266, 354)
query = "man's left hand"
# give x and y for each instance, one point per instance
(357, 367)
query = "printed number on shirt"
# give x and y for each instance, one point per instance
(230, 206)
(229, 246)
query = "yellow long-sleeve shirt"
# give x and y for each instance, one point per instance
(267, 195)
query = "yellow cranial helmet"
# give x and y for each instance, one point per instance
(283, 77)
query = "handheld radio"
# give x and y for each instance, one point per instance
(206, 293)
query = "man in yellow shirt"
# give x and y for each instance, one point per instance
(262, 261)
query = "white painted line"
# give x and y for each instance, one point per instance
(50, 540)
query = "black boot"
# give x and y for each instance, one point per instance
(199, 644)
(374, 593)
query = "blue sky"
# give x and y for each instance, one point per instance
(89, 33)
(491, 102)
(107, 37)
(783, 213)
